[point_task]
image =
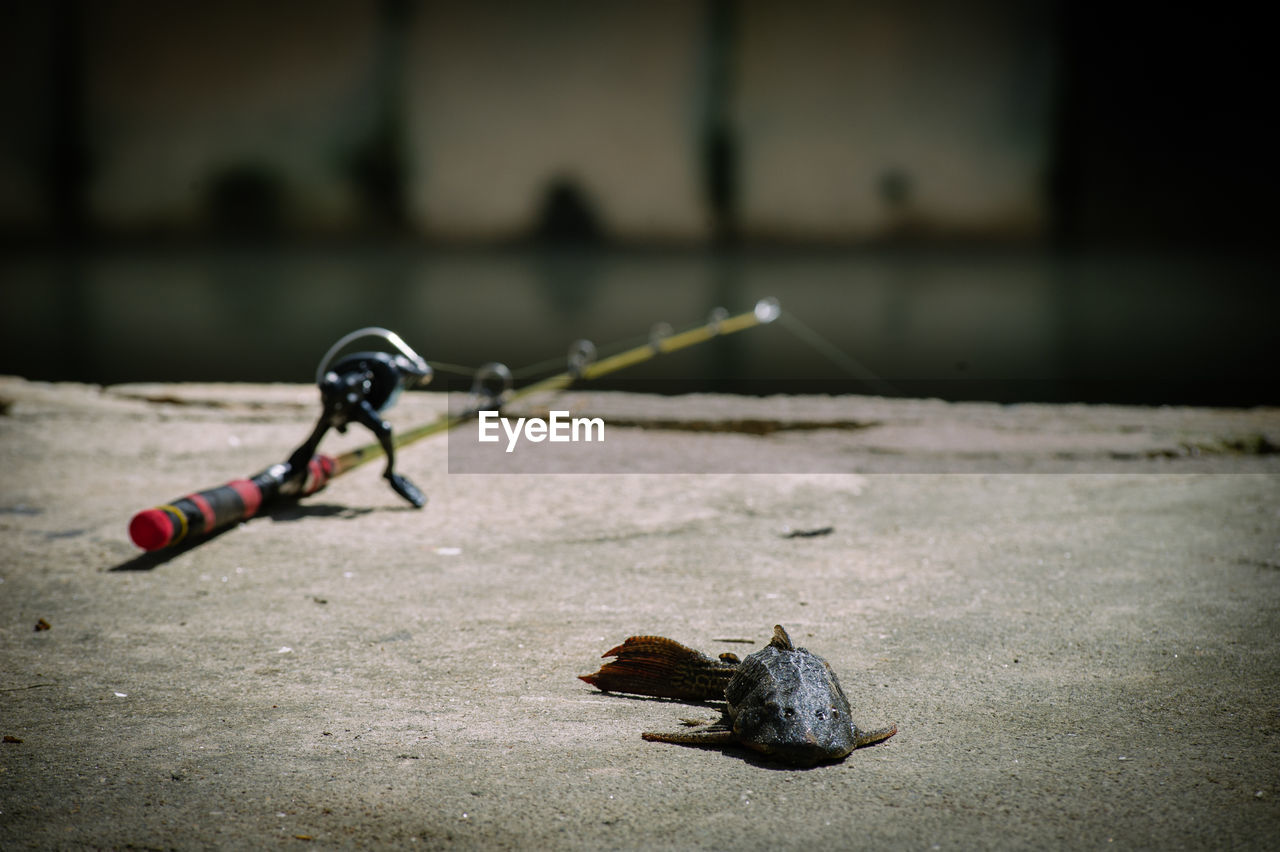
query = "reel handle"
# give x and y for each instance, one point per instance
(207, 511)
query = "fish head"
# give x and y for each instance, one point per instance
(799, 715)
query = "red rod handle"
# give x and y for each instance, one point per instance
(206, 511)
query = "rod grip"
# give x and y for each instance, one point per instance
(205, 512)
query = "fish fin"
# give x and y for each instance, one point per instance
(655, 665)
(781, 640)
(713, 734)
(870, 737)
(696, 723)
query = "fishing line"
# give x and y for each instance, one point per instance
(551, 363)
(456, 369)
(848, 363)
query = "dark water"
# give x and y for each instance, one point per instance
(1001, 325)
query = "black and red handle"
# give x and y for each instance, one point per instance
(207, 511)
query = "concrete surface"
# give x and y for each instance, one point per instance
(1073, 659)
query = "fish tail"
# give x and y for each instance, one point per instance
(655, 665)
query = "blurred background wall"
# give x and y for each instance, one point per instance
(481, 121)
(1084, 160)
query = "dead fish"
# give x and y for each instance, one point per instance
(782, 701)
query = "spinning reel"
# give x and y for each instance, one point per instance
(358, 389)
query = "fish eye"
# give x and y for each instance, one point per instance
(820, 714)
(834, 712)
(789, 712)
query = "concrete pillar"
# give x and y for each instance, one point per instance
(507, 99)
(199, 112)
(26, 106)
(873, 119)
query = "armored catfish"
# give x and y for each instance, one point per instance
(782, 701)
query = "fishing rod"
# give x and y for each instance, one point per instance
(358, 388)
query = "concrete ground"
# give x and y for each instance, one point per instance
(1071, 614)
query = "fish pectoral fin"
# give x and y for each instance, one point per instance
(866, 738)
(706, 735)
(696, 723)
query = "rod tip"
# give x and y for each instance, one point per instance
(768, 310)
